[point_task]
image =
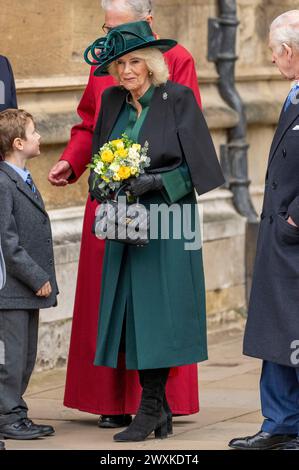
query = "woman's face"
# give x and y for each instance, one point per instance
(133, 73)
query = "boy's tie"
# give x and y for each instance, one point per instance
(293, 95)
(30, 183)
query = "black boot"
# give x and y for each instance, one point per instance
(169, 415)
(166, 408)
(151, 415)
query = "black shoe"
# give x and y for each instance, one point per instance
(45, 428)
(24, 429)
(261, 441)
(2, 445)
(291, 445)
(114, 421)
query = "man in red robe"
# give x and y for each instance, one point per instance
(112, 393)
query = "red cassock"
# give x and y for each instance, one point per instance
(102, 390)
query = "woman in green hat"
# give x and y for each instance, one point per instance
(153, 298)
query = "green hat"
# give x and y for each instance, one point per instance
(121, 40)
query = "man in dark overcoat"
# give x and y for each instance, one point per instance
(8, 98)
(272, 330)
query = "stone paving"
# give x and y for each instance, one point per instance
(229, 397)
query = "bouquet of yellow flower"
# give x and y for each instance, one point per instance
(117, 161)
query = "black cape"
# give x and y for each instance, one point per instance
(175, 129)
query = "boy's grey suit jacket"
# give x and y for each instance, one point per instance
(26, 241)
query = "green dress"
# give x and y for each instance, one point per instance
(157, 292)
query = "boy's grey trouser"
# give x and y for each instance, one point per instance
(18, 347)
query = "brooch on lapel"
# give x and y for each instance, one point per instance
(165, 96)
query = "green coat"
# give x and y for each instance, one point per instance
(158, 289)
(161, 289)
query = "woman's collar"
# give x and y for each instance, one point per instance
(145, 99)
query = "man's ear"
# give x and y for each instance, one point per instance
(17, 144)
(288, 50)
(149, 19)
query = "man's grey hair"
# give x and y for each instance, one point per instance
(139, 8)
(285, 29)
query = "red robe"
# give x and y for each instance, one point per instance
(90, 388)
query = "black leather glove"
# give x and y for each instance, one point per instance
(95, 193)
(144, 183)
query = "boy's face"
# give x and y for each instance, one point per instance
(30, 146)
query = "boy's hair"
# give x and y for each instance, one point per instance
(13, 123)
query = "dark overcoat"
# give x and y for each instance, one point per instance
(161, 286)
(26, 241)
(273, 317)
(8, 97)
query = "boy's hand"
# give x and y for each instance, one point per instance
(45, 290)
(60, 173)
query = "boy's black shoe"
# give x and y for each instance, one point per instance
(25, 429)
(45, 428)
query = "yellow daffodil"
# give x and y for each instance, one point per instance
(134, 171)
(118, 143)
(121, 153)
(107, 180)
(116, 177)
(136, 147)
(124, 172)
(107, 156)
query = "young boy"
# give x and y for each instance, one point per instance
(30, 275)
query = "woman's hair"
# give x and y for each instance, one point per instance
(155, 62)
(285, 30)
(140, 8)
(13, 124)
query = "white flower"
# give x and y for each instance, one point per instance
(98, 168)
(133, 153)
(114, 167)
(134, 171)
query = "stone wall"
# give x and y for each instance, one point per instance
(45, 41)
